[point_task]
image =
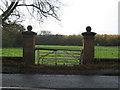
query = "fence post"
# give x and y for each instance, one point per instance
(88, 44)
(28, 46)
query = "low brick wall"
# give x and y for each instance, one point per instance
(18, 70)
(18, 59)
(11, 60)
(106, 60)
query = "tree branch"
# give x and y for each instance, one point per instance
(10, 9)
(43, 8)
(1, 9)
(11, 5)
(51, 8)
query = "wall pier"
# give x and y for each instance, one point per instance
(88, 44)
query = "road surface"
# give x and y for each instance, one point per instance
(59, 81)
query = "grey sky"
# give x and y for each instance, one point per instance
(101, 15)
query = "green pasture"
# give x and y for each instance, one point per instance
(100, 51)
(106, 52)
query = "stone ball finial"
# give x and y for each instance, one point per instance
(88, 29)
(29, 28)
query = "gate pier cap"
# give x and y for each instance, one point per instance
(88, 29)
(29, 28)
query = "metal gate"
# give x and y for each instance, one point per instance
(58, 56)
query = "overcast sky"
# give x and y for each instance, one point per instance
(101, 15)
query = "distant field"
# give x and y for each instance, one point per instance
(100, 51)
(106, 52)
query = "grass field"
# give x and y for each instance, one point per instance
(100, 51)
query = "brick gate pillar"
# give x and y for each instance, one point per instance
(28, 46)
(88, 44)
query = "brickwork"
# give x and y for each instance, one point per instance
(88, 44)
(28, 47)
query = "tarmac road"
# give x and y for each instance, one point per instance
(59, 81)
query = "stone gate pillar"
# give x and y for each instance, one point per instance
(88, 44)
(28, 46)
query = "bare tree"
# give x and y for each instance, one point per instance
(39, 9)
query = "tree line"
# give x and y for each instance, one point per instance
(12, 37)
(76, 40)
